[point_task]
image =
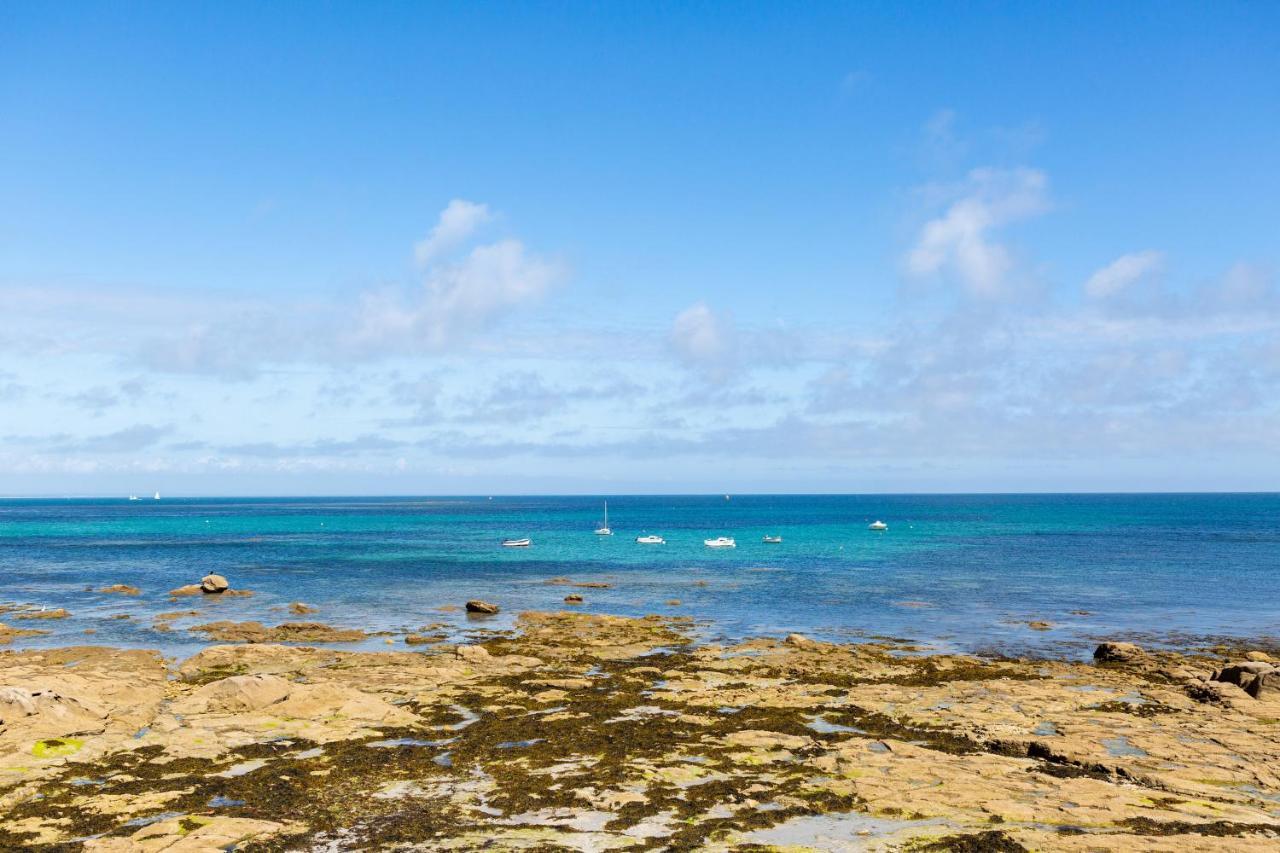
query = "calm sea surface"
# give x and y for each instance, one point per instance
(963, 572)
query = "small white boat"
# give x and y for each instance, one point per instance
(156, 496)
(720, 542)
(134, 497)
(772, 540)
(604, 529)
(651, 540)
(516, 543)
(877, 525)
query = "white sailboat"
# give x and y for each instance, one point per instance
(133, 497)
(156, 496)
(877, 525)
(604, 529)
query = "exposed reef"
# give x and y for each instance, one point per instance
(587, 732)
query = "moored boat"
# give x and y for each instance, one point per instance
(516, 543)
(720, 542)
(877, 525)
(651, 539)
(772, 540)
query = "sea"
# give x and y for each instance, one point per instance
(1008, 574)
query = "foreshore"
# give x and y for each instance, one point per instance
(591, 732)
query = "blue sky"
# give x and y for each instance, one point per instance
(408, 248)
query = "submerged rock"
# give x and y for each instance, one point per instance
(478, 606)
(189, 589)
(297, 608)
(286, 632)
(58, 613)
(214, 584)
(120, 589)
(573, 598)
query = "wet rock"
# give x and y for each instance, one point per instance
(189, 589)
(59, 613)
(8, 635)
(800, 641)
(297, 608)
(1262, 657)
(478, 606)
(573, 598)
(286, 632)
(423, 639)
(1119, 653)
(1040, 625)
(214, 584)
(120, 589)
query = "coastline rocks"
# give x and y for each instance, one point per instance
(121, 589)
(286, 632)
(189, 589)
(483, 607)
(1119, 653)
(214, 584)
(1256, 678)
(473, 654)
(1262, 657)
(59, 613)
(236, 694)
(573, 598)
(8, 635)
(297, 608)
(800, 641)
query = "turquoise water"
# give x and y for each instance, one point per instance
(958, 571)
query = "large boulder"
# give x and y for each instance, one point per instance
(213, 584)
(1257, 678)
(478, 606)
(1119, 653)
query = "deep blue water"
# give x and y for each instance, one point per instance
(961, 571)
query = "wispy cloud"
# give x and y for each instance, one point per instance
(1118, 275)
(962, 241)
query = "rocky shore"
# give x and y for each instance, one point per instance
(586, 732)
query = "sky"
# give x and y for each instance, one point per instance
(404, 248)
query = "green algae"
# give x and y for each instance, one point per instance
(57, 747)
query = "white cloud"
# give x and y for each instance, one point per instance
(1118, 275)
(703, 340)
(960, 241)
(460, 299)
(457, 223)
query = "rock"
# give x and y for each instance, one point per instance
(8, 635)
(189, 589)
(287, 632)
(673, 602)
(121, 589)
(43, 614)
(1215, 692)
(473, 654)
(573, 598)
(236, 694)
(1261, 657)
(478, 606)
(421, 639)
(297, 608)
(1040, 625)
(800, 641)
(1265, 686)
(1119, 653)
(1256, 678)
(213, 584)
